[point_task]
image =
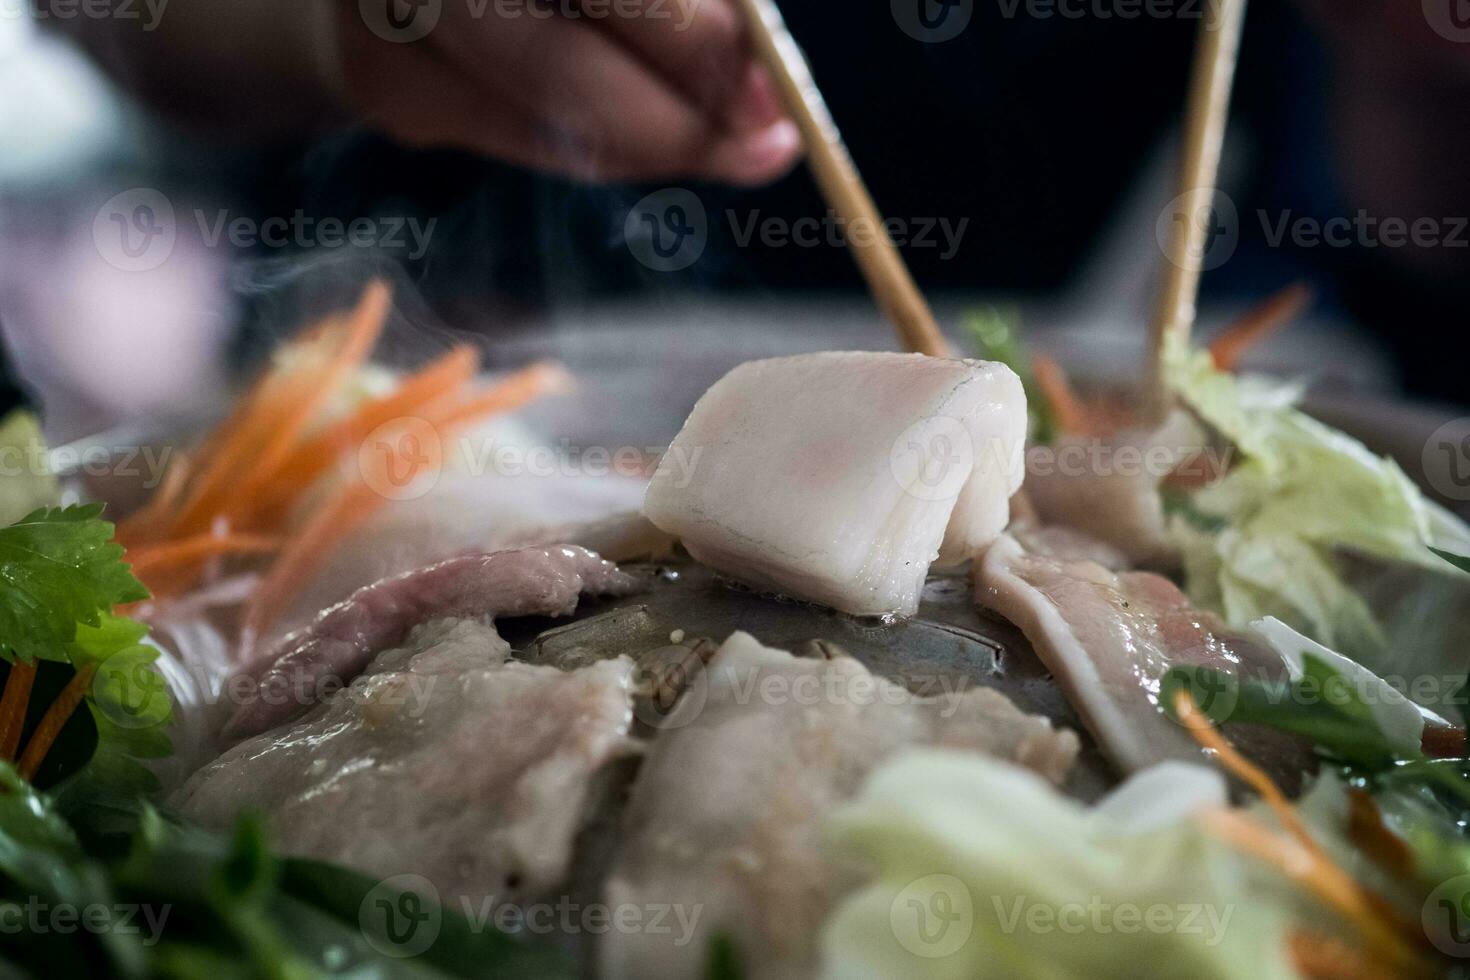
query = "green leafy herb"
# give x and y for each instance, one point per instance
(997, 337)
(1323, 705)
(59, 567)
(1459, 561)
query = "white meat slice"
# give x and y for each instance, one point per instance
(840, 477)
(728, 814)
(1109, 638)
(444, 759)
(343, 639)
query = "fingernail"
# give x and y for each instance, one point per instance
(760, 156)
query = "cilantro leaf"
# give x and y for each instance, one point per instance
(58, 567)
(997, 337)
(1459, 561)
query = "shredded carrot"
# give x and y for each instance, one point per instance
(1333, 886)
(266, 437)
(54, 720)
(314, 457)
(356, 502)
(1372, 836)
(13, 705)
(1066, 407)
(1259, 322)
(197, 548)
(1321, 957)
(1204, 732)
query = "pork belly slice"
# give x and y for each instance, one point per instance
(445, 759)
(727, 821)
(339, 644)
(1109, 638)
(1109, 488)
(840, 477)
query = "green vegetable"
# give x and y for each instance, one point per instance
(981, 870)
(178, 902)
(59, 567)
(1322, 705)
(1267, 538)
(26, 481)
(997, 337)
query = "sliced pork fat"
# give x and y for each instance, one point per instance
(1109, 638)
(728, 813)
(343, 639)
(840, 477)
(445, 759)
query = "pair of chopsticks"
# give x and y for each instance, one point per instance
(879, 259)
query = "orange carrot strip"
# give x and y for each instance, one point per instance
(363, 331)
(198, 547)
(263, 443)
(439, 379)
(140, 525)
(357, 502)
(13, 705)
(1259, 322)
(1204, 732)
(1321, 957)
(54, 720)
(1068, 409)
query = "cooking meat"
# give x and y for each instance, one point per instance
(840, 477)
(728, 813)
(1109, 638)
(343, 639)
(445, 758)
(1110, 488)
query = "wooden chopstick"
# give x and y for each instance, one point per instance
(1204, 135)
(881, 264)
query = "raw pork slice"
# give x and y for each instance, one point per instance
(1109, 638)
(727, 822)
(445, 759)
(335, 649)
(840, 477)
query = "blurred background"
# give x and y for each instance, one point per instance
(1022, 148)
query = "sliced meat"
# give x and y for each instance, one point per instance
(839, 477)
(728, 814)
(1110, 488)
(333, 650)
(1109, 639)
(444, 759)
